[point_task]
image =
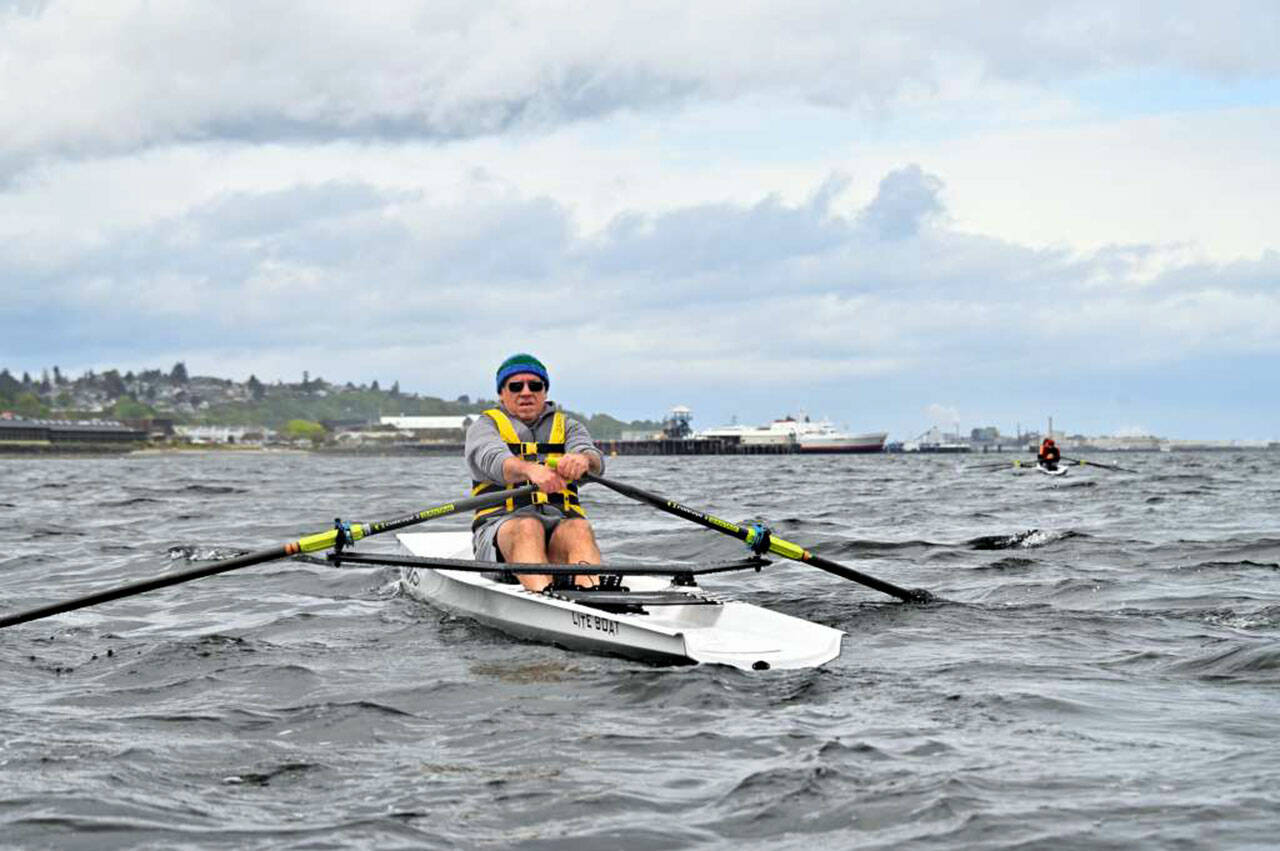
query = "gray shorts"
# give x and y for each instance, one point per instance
(484, 541)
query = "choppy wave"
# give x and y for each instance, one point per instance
(196, 552)
(1028, 539)
(1102, 673)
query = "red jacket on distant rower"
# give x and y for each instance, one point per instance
(1049, 454)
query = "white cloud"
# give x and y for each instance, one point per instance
(1207, 178)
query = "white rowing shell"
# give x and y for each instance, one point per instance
(727, 632)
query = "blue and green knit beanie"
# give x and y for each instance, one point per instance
(521, 363)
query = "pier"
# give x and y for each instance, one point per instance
(691, 446)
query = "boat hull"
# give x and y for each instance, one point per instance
(859, 443)
(802, 436)
(723, 632)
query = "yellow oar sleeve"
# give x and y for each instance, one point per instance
(786, 549)
(328, 540)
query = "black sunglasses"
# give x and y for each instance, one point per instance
(518, 386)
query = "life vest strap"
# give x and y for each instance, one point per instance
(566, 501)
(530, 451)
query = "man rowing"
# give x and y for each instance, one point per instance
(1049, 455)
(514, 443)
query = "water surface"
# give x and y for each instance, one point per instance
(1105, 672)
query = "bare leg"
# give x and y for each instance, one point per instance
(524, 540)
(573, 542)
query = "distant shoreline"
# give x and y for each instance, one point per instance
(70, 450)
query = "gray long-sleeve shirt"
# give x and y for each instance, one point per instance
(486, 450)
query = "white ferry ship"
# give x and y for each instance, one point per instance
(805, 434)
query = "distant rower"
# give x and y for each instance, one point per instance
(1049, 454)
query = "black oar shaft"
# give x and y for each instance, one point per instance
(307, 544)
(776, 544)
(909, 595)
(1099, 464)
(145, 585)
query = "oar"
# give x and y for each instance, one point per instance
(309, 544)
(751, 536)
(1082, 462)
(990, 466)
(1013, 462)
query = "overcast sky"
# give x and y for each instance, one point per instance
(889, 214)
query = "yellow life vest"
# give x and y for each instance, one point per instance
(565, 500)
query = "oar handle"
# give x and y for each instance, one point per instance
(777, 545)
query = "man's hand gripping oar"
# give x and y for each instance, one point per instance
(762, 541)
(343, 534)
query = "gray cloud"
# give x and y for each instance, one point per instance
(279, 268)
(719, 238)
(907, 200)
(129, 76)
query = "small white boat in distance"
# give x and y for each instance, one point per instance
(704, 629)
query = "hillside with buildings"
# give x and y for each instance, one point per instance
(208, 409)
(111, 410)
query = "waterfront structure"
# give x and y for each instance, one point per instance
(19, 434)
(934, 440)
(745, 435)
(452, 428)
(230, 435)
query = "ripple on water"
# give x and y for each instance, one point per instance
(1253, 661)
(1103, 674)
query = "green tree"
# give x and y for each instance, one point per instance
(9, 386)
(128, 408)
(303, 430)
(28, 405)
(113, 384)
(179, 373)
